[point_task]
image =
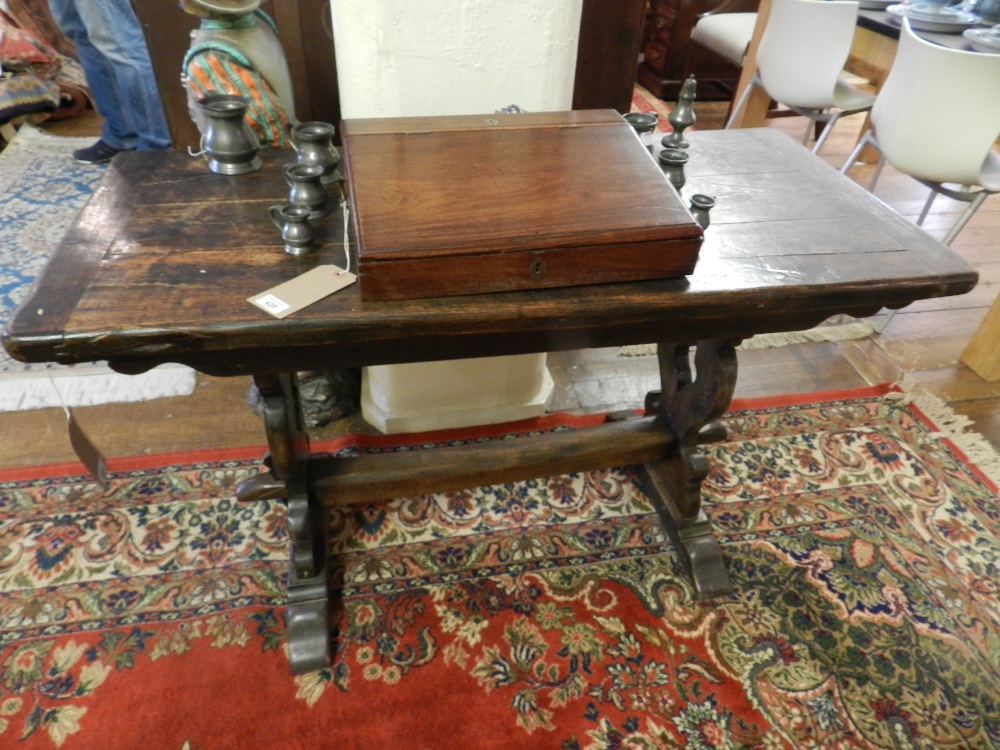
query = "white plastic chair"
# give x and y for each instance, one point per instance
(936, 119)
(800, 60)
(726, 34)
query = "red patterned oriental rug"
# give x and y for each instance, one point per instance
(861, 533)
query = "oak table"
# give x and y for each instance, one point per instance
(158, 266)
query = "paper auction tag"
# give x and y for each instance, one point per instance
(312, 286)
(84, 448)
(88, 453)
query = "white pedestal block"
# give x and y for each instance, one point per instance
(456, 393)
(406, 58)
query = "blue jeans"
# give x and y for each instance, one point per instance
(112, 51)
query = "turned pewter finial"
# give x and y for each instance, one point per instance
(682, 116)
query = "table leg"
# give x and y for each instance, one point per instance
(688, 404)
(288, 460)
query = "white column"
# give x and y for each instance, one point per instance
(398, 58)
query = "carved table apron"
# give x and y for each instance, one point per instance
(158, 266)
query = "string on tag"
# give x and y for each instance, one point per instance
(347, 248)
(83, 447)
(55, 388)
(201, 147)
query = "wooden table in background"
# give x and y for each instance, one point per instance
(158, 266)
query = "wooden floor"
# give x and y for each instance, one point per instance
(923, 341)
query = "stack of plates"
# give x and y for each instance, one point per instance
(984, 40)
(928, 17)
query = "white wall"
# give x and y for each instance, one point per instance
(403, 58)
(400, 58)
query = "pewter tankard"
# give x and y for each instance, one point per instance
(229, 142)
(306, 188)
(298, 234)
(313, 142)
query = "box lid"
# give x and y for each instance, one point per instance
(434, 187)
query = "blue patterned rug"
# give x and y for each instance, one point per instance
(41, 190)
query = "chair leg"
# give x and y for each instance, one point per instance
(816, 116)
(865, 140)
(881, 325)
(957, 227)
(964, 218)
(742, 102)
(869, 140)
(926, 208)
(876, 173)
(826, 132)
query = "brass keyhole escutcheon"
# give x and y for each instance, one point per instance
(537, 269)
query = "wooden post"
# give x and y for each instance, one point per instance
(982, 355)
(607, 51)
(755, 111)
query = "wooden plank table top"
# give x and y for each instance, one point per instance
(158, 266)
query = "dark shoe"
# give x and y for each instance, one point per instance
(99, 153)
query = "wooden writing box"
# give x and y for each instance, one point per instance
(453, 205)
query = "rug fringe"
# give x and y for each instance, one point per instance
(840, 332)
(637, 350)
(857, 330)
(955, 427)
(90, 385)
(38, 137)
